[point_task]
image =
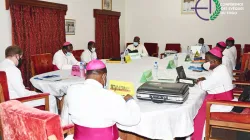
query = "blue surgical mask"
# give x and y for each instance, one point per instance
(68, 53)
(228, 47)
(136, 44)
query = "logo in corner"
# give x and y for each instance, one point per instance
(213, 15)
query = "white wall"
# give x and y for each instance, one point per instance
(161, 21)
(80, 10)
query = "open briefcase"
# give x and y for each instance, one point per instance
(160, 92)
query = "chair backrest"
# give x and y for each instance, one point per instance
(4, 84)
(246, 48)
(173, 46)
(210, 47)
(21, 122)
(77, 54)
(128, 44)
(152, 48)
(239, 51)
(244, 60)
(41, 63)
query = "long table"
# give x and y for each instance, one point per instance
(158, 121)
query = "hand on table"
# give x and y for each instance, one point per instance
(200, 79)
(127, 97)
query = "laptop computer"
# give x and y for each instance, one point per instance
(182, 78)
(194, 49)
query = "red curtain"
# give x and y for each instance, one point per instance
(36, 30)
(107, 34)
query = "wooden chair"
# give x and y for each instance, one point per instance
(41, 63)
(244, 65)
(4, 93)
(210, 47)
(77, 54)
(227, 120)
(152, 49)
(173, 46)
(23, 122)
(239, 52)
(246, 48)
(128, 44)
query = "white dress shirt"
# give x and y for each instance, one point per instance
(228, 63)
(91, 105)
(231, 53)
(141, 49)
(218, 82)
(87, 56)
(64, 62)
(18, 90)
(204, 48)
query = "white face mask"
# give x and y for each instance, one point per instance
(93, 50)
(104, 81)
(206, 66)
(68, 53)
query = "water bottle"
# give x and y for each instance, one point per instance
(188, 50)
(126, 52)
(156, 69)
(191, 55)
(176, 60)
(82, 69)
(122, 58)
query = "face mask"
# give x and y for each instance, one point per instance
(136, 44)
(19, 62)
(93, 50)
(68, 53)
(104, 81)
(206, 66)
(228, 47)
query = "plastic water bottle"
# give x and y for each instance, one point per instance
(191, 55)
(176, 60)
(156, 69)
(122, 58)
(188, 50)
(82, 69)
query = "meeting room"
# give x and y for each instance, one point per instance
(125, 70)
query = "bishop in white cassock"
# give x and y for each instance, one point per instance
(90, 53)
(136, 46)
(231, 51)
(64, 59)
(16, 88)
(218, 86)
(95, 111)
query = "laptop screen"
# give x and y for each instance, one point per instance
(196, 48)
(181, 72)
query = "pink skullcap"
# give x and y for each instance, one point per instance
(230, 38)
(222, 44)
(95, 65)
(66, 43)
(137, 37)
(216, 51)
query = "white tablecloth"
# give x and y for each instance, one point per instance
(158, 121)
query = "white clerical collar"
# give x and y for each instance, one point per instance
(93, 82)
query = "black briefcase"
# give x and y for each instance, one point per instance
(160, 92)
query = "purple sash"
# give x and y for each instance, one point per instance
(85, 133)
(200, 118)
